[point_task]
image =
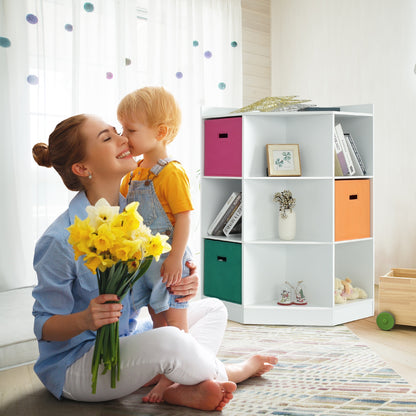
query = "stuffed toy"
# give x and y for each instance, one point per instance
(344, 291)
(351, 292)
(339, 293)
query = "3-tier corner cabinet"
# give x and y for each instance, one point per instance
(247, 270)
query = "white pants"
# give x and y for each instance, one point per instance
(184, 358)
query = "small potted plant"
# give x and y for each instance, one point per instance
(287, 215)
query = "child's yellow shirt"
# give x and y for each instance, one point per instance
(171, 186)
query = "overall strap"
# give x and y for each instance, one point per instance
(161, 163)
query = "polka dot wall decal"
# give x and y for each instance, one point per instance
(208, 54)
(195, 43)
(222, 86)
(5, 42)
(32, 19)
(234, 44)
(32, 80)
(127, 61)
(88, 7)
(69, 28)
(179, 75)
(109, 75)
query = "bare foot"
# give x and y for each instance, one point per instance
(255, 366)
(153, 381)
(208, 395)
(156, 394)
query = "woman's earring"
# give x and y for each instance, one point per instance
(89, 175)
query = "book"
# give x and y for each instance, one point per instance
(237, 227)
(355, 155)
(233, 220)
(340, 156)
(223, 215)
(341, 138)
(338, 169)
(219, 229)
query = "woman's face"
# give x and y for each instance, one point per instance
(107, 153)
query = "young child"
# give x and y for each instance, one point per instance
(150, 118)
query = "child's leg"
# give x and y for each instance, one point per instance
(177, 317)
(171, 317)
(157, 318)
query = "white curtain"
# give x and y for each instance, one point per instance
(62, 57)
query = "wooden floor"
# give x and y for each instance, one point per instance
(397, 347)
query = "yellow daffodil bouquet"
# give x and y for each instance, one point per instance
(118, 248)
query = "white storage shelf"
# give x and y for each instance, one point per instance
(313, 256)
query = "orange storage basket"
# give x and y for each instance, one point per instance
(352, 209)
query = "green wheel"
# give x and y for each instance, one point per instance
(385, 321)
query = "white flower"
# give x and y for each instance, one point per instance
(101, 213)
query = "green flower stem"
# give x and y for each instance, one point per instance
(115, 280)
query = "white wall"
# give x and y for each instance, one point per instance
(338, 52)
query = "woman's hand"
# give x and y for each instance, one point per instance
(100, 313)
(187, 287)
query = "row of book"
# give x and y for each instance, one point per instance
(228, 220)
(348, 160)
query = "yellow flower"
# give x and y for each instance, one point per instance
(157, 246)
(93, 261)
(79, 236)
(104, 238)
(133, 265)
(121, 252)
(78, 252)
(101, 213)
(129, 220)
(106, 264)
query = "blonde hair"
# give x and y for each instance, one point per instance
(66, 147)
(153, 106)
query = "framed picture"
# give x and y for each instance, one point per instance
(283, 160)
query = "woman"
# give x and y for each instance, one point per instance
(92, 158)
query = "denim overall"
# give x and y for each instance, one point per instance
(150, 290)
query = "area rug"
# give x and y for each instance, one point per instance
(321, 371)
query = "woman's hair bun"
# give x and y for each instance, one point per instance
(40, 153)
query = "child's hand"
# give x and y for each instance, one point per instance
(171, 270)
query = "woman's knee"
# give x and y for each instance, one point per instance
(217, 306)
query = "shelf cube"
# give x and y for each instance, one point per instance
(223, 147)
(222, 270)
(352, 209)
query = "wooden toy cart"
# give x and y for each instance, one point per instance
(397, 299)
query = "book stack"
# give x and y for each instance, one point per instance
(228, 220)
(348, 160)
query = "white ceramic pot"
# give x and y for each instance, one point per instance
(287, 226)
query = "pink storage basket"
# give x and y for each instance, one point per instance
(223, 147)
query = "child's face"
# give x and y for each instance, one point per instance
(142, 138)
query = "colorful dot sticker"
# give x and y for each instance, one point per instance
(32, 80)
(222, 86)
(32, 19)
(208, 54)
(234, 44)
(179, 75)
(195, 43)
(88, 7)
(69, 28)
(5, 42)
(109, 75)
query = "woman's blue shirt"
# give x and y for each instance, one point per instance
(65, 286)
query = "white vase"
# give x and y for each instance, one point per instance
(287, 226)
